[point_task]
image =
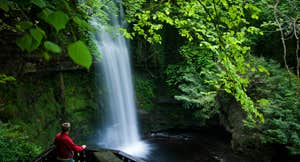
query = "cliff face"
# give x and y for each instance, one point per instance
(15, 62)
(45, 93)
(40, 102)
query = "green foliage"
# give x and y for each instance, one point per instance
(4, 78)
(52, 47)
(197, 92)
(281, 21)
(15, 144)
(145, 94)
(279, 103)
(220, 28)
(37, 18)
(57, 19)
(25, 42)
(40, 3)
(4, 6)
(35, 105)
(80, 105)
(80, 54)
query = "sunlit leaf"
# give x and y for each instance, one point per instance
(25, 42)
(51, 46)
(80, 54)
(57, 19)
(40, 3)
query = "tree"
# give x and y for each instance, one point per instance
(219, 27)
(283, 17)
(49, 27)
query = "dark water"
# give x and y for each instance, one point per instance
(192, 146)
(202, 145)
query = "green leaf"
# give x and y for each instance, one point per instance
(47, 57)
(34, 45)
(36, 34)
(263, 102)
(57, 19)
(40, 3)
(41, 31)
(82, 23)
(25, 42)
(4, 6)
(80, 54)
(4, 78)
(53, 47)
(24, 25)
(45, 14)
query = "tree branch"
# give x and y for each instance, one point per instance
(282, 39)
(297, 48)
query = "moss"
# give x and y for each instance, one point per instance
(14, 144)
(106, 156)
(34, 103)
(145, 92)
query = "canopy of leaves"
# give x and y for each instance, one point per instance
(279, 102)
(36, 20)
(219, 27)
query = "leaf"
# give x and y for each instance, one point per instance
(57, 19)
(82, 23)
(263, 102)
(24, 25)
(41, 31)
(4, 6)
(47, 57)
(40, 3)
(53, 47)
(45, 14)
(36, 34)
(34, 45)
(25, 42)
(80, 54)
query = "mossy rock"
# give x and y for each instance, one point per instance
(106, 156)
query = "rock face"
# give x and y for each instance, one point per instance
(45, 93)
(243, 141)
(15, 62)
(106, 156)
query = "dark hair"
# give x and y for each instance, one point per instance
(65, 127)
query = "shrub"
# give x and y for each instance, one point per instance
(15, 145)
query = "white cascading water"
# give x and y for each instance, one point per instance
(120, 130)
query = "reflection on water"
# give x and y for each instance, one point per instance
(191, 146)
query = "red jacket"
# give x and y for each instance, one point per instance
(65, 146)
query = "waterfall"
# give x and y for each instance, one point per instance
(120, 126)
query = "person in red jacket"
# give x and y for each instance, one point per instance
(65, 146)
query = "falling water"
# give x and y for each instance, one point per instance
(120, 130)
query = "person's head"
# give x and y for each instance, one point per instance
(65, 127)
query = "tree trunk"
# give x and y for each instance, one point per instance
(62, 96)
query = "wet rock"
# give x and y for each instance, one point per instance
(170, 136)
(106, 156)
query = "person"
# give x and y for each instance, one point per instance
(65, 146)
